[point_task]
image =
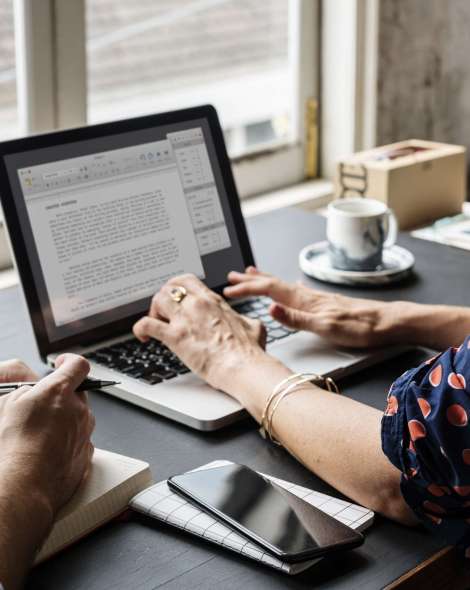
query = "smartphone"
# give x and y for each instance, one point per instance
(283, 524)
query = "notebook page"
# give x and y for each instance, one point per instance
(114, 479)
(160, 502)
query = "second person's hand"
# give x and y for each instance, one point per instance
(45, 430)
(45, 454)
(345, 321)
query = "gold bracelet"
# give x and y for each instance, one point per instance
(292, 387)
(276, 391)
(284, 388)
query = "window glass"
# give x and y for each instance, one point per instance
(8, 109)
(151, 56)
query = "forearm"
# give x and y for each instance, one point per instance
(335, 437)
(436, 326)
(25, 520)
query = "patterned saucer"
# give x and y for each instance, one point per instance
(397, 263)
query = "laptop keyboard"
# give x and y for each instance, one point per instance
(258, 310)
(152, 362)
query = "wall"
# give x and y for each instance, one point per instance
(424, 71)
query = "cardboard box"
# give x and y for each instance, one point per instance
(420, 180)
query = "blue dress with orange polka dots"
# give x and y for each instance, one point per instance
(426, 435)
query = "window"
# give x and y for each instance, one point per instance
(93, 60)
(258, 61)
(8, 108)
(154, 56)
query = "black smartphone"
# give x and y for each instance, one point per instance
(283, 524)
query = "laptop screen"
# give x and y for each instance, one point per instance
(107, 220)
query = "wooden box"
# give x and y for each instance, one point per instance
(420, 180)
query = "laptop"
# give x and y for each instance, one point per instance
(100, 217)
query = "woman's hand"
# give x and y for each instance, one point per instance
(203, 331)
(345, 321)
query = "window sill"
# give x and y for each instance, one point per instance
(312, 194)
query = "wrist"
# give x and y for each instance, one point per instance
(435, 326)
(401, 322)
(224, 371)
(26, 518)
(23, 486)
(251, 378)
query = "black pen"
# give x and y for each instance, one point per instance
(87, 385)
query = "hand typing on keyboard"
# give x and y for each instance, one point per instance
(203, 331)
(258, 308)
(153, 362)
(344, 321)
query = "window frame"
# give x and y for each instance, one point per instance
(52, 83)
(349, 85)
(336, 42)
(50, 63)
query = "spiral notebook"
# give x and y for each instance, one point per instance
(161, 503)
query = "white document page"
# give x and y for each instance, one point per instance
(106, 243)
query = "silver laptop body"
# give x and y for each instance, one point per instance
(187, 399)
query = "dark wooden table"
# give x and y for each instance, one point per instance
(143, 555)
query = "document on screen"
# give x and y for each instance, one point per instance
(112, 241)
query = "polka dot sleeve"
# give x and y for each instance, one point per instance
(426, 434)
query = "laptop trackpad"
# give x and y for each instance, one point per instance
(306, 352)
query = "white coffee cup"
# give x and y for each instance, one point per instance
(358, 230)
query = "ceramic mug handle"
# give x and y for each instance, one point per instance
(392, 229)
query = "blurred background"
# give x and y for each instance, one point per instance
(151, 56)
(374, 71)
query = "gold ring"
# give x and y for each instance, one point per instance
(178, 294)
